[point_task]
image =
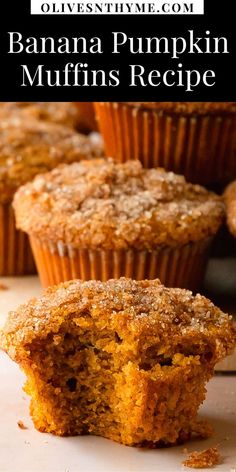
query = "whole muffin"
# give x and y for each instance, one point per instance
(99, 219)
(93, 352)
(28, 148)
(230, 202)
(63, 113)
(196, 139)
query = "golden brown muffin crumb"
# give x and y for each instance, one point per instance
(201, 429)
(93, 352)
(102, 204)
(203, 459)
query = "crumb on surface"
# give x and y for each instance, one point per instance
(3, 287)
(203, 459)
(21, 425)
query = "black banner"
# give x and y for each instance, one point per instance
(135, 57)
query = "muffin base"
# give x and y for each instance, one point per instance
(182, 267)
(16, 257)
(200, 146)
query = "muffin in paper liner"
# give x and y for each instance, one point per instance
(99, 219)
(29, 147)
(176, 267)
(197, 140)
(16, 257)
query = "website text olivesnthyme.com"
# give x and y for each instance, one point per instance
(119, 7)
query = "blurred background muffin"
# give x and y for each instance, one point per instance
(29, 147)
(63, 113)
(98, 219)
(196, 139)
(86, 117)
(230, 201)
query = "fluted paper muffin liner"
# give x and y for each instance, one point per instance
(179, 267)
(16, 257)
(200, 146)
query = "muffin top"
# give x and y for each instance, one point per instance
(188, 107)
(138, 313)
(105, 205)
(64, 113)
(32, 147)
(230, 201)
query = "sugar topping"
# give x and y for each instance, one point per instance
(101, 204)
(64, 113)
(142, 309)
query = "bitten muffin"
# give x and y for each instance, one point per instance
(26, 149)
(98, 220)
(63, 113)
(230, 201)
(94, 352)
(196, 139)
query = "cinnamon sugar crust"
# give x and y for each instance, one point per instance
(140, 309)
(32, 147)
(230, 201)
(102, 204)
(63, 113)
(94, 351)
(187, 107)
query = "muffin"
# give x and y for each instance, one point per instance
(196, 139)
(100, 220)
(230, 201)
(63, 113)
(86, 117)
(93, 352)
(26, 149)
